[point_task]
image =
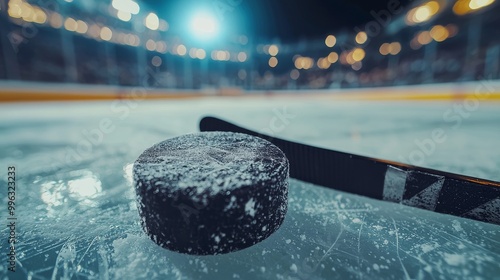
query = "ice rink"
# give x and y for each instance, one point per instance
(77, 217)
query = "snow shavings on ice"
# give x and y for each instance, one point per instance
(103, 239)
(319, 238)
(250, 207)
(454, 259)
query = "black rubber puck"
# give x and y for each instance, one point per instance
(212, 192)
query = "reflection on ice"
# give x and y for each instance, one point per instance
(52, 193)
(62, 194)
(84, 188)
(127, 169)
(130, 193)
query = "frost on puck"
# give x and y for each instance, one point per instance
(212, 192)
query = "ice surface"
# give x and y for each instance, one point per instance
(77, 216)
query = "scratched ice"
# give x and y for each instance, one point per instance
(78, 218)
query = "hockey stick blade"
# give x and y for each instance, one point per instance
(424, 188)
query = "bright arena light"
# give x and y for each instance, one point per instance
(204, 26)
(127, 6)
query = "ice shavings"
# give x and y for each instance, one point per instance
(427, 247)
(250, 207)
(454, 259)
(232, 203)
(367, 243)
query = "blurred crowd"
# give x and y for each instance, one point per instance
(449, 48)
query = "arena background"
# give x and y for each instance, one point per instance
(87, 86)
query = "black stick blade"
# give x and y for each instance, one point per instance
(424, 188)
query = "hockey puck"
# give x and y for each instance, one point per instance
(212, 192)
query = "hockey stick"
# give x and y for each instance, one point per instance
(424, 188)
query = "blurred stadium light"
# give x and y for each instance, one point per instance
(152, 21)
(423, 12)
(463, 7)
(204, 25)
(126, 6)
